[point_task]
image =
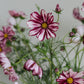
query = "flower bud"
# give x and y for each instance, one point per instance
(58, 9)
(22, 29)
(56, 70)
(62, 48)
(13, 38)
(71, 34)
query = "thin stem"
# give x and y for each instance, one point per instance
(76, 56)
(50, 48)
(21, 59)
(80, 58)
(58, 18)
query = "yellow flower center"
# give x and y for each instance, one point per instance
(69, 80)
(9, 67)
(0, 49)
(44, 25)
(5, 35)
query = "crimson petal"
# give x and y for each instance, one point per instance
(44, 15)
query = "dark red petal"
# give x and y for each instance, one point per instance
(36, 17)
(44, 15)
(34, 31)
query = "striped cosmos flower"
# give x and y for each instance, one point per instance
(8, 69)
(30, 65)
(70, 77)
(42, 25)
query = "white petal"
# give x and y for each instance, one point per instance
(82, 9)
(80, 30)
(41, 35)
(76, 39)
(34, 31)
(12, 21)
(33, 24)
(79, 75)
(15, 82)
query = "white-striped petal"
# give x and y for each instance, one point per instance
(41, 35)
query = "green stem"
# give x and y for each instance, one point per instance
(76, 56)
(80, 58)
(50, 48)
(21, 59)
(58, 18)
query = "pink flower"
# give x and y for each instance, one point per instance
(12, 21)
(22, 14)
(30, 65)
(42, 25)
(13, 76)
(83, 7)
(58, 9)
(70, 77)
(11, 72)
(83, 4)
(4, 48)
(4, 61)
(16, 14)
(13, 13)
(8, 69)
(6, 34)
(77, 15)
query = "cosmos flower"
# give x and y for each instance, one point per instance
(6, 34)
(42, 25)
(4, 61)
(14, 13)
(4, 48)
(8, 69)
(79, 36)
(70, 77)
(30, 65)
(13, 76)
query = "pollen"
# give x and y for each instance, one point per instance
(44, 25)
(0, 49)
(70, 80)
(5, 35)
